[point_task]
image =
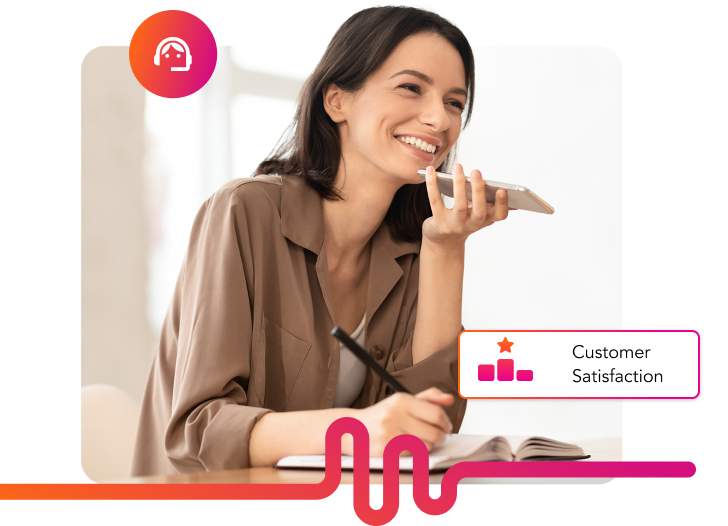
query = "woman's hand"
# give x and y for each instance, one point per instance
(421, 415)
(453, 226)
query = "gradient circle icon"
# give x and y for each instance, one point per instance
(173, 54)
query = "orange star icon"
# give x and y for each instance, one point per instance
(505, 345)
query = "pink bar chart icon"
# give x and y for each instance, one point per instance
(524, 375)
(505, 370)
(487, 372)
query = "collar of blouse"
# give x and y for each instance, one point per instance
(303, 220)
(302, 223)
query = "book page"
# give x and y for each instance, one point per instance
(535, 447)
(459, 448)
(516, 441)
(460, 445)
(303, 461)
(494, 449)
(454, 448)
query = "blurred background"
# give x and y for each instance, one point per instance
(548, 118)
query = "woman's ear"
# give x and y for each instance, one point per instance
(334, 102)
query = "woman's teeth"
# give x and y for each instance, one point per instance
(419, 143)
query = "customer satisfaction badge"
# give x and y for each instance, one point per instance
(579, 364)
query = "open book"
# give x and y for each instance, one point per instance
(460, 448)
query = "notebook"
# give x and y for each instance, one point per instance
(461, 448)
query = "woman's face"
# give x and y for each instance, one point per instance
(419, 92)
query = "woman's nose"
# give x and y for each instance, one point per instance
(435, 115)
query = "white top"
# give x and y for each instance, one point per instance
(352, 372)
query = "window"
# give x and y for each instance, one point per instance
(195, 144)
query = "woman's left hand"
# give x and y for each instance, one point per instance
(453, 226)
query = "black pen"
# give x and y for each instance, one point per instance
(364, 357)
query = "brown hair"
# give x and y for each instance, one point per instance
(311, 147)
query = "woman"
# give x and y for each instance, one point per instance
(344, 234)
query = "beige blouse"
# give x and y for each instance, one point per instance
(247, 331)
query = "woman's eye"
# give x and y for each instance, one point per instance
(416, 89)
(411, 87)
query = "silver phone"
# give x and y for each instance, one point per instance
(518, 197)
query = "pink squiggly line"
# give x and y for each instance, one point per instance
(332, 478)
(390, 505)
(448, 494)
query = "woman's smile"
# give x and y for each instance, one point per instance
(418, 147)
(416, 97)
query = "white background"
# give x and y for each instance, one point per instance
(546, 117)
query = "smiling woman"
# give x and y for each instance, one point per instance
(335, 229)
(429, 49)
(398, 105)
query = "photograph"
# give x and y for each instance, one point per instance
(251, 218)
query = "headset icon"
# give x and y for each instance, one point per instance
(187, 53)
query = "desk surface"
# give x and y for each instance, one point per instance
(609, 449)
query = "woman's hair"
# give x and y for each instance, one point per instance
(311, 146)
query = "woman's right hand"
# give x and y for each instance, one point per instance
(421, 415)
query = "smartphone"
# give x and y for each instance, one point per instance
(519, 197)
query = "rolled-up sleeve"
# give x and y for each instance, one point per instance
(211, 421)
(440, 370)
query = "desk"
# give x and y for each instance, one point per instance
(609, 449)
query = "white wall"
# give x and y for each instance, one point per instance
(116, 340)
(548, 118)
